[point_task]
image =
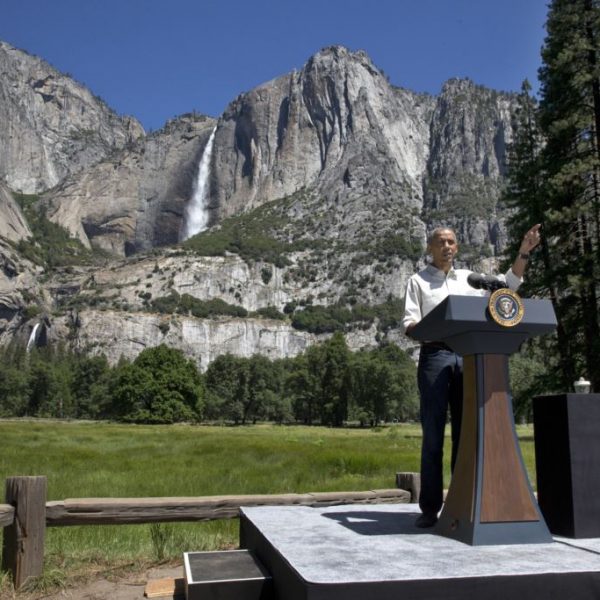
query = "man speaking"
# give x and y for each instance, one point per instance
(439, 372)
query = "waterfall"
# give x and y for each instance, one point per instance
(196, 211)
(31, 340)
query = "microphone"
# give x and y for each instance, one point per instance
(485, 282)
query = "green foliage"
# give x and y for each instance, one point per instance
(160, 386)
(50, 382)
(339, 317)
(555, 180)
(51, 245)
(319, 383)
(326, 384)
(259, 235)
(532, 373)
(329, 385)
(266, 273)
(246, 235)
(244, 389)
(14, 386)
(161, 535)
(50, 386)
(394, 244)
(322, 319)
(31, 311)
(202, 309)
(467, 196)
(268, 312)
(384, 386)
(91, 383)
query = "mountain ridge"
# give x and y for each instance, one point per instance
(325, 182)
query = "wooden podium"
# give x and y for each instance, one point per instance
(490, 500)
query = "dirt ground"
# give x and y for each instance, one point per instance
(126, 587)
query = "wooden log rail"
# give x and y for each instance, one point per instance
(26, 513)
(114, 511)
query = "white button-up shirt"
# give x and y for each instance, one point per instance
(427, 288)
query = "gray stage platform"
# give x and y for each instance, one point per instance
(375, 551)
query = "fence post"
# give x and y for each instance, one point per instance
(410, 482)
(23, 542)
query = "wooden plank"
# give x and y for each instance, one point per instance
(7, 515)
(369, 497)
(113, 511)
(168, 587)
(23, 541)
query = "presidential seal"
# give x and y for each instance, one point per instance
(506, 307)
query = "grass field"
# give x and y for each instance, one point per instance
(85, 459)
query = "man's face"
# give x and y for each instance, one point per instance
(443, 249)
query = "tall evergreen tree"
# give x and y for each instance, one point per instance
(526, 196)
(557, 182)
(570, 121)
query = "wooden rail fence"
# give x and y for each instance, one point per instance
(26, 513)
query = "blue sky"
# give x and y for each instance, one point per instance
(156, 59)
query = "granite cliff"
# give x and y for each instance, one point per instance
(364, 157)
(333, 170)
(50, 125)
(134, 200)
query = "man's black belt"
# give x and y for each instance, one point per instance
(437, 346)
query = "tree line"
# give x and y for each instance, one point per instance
(327, 384)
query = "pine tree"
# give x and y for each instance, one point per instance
(526, 196)
(570, 121)
(556, 182)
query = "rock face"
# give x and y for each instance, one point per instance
(51, 126)
(332, 156)
(470, 130)
(13, 226)
(374, 157)
(336, 128)
(366, 160)
(16, 275)
(132, 283)
(118, 334)
(134, 200)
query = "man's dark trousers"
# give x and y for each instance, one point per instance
(439, 377)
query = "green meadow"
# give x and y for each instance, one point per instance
(92, 459)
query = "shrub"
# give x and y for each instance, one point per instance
(268, 312)
(202, 309)
(266, 273)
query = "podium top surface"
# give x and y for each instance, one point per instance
(465, 321)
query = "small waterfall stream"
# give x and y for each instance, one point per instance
(31, 340)
(196, 211)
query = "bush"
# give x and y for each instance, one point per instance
(337, 317)
(269, 312)
(202, 309)
(266, 273)
(31, 311)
